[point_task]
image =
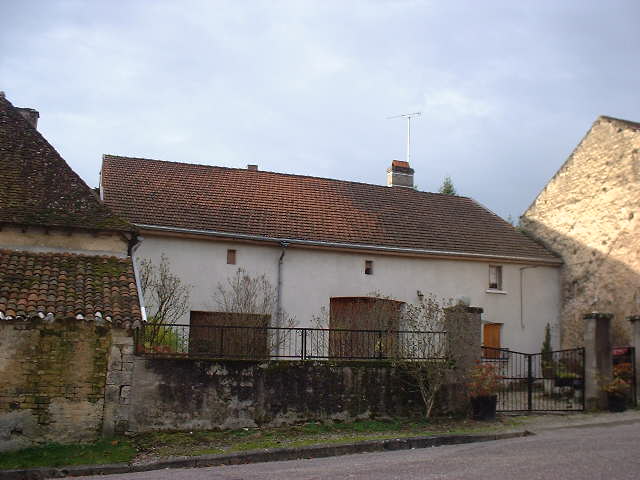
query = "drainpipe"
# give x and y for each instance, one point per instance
(132, 251)
(284, 246)
(522, 269)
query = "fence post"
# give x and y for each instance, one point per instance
(635, 343)
(304, 344)
(598, 362)
(529, 384)
(463, 338)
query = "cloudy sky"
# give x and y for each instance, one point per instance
(507, 88)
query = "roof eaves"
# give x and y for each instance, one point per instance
(319, 243)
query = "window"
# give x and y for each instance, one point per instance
(495, 277)
(368, 267)
(231, 257)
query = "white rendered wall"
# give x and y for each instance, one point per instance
(312, 276)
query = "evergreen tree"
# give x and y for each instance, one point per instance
(447, 186)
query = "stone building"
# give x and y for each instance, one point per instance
(66, 277)
(589, 214)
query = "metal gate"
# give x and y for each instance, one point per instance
(538, 382)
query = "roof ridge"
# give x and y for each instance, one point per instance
(296, 175)
(627, 123)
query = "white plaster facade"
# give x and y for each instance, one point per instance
(310, 277)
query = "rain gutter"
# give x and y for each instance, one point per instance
(319, 243)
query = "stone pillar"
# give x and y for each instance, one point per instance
(118, 387)
(635, 342)
(597, 358)
(464, 338)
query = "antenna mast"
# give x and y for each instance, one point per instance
(408, 117)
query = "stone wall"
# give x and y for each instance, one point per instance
(183, 394)
(118, 386)
(71, 381)
(589, 213)
(52, 379)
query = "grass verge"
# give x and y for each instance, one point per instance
(55, 455)
(165, 444)
(157, 445)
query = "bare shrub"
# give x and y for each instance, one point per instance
(166, 297)
(427, 358)
(250, 297)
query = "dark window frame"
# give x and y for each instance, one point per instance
(368, 267)
(498, 284)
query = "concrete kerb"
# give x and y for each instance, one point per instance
(258, 456)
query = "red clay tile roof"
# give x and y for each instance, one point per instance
(282, 206)
(37, 187)
(66, 285)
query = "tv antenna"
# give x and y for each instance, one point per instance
(408, 116)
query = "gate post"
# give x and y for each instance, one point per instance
(463, 327)
(635, 342)
(597, 358)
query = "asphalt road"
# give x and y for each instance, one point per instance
(603, 452)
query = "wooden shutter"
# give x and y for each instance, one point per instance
(374, 316)
(229, 342)
(491, 338)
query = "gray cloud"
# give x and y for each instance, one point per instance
(507, 89)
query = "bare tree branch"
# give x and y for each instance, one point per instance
(253, 295)
(166, 296)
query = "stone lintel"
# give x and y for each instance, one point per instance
(597, 316)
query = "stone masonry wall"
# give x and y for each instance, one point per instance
(52, 379)
(192, 394)
(118, 383)
(184, 394)
(589, 213)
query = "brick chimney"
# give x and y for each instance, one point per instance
(400, 174)
(30, 115)
(252, 167)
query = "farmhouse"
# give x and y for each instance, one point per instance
(325, 244)
(588, 214)
(66, 278)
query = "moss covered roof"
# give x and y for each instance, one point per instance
(37, 187)
(66, 285)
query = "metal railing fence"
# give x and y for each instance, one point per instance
(242, 342)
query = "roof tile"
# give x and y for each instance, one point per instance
(40, 292)
(37, 187)
(283, 206)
